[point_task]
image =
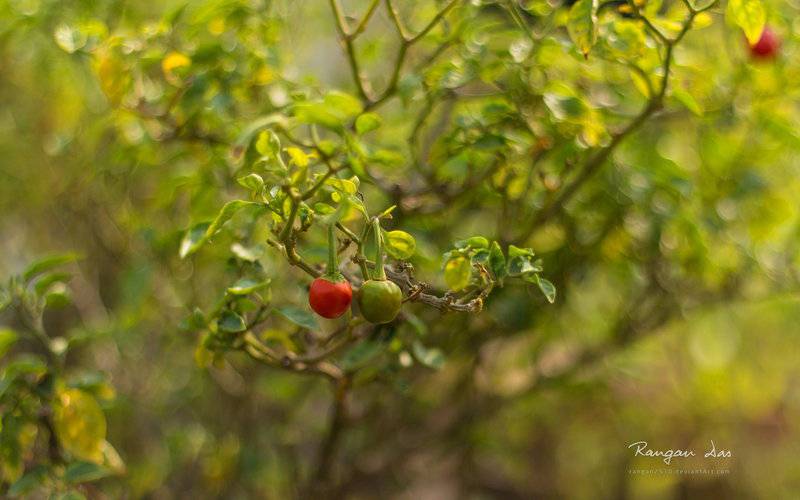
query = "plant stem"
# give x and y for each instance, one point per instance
(380, 273)
(333, 267)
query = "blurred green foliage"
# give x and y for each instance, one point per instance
(635, 147)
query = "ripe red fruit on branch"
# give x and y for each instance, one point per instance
(330, 299)
(767, 46)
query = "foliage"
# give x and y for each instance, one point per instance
(47, 410)
(551, 184)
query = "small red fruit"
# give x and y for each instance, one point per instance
(330, 299)
(767, 46)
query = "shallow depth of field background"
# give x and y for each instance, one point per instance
(551, 402)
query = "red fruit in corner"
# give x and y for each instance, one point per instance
(767, 46)
(330, 299)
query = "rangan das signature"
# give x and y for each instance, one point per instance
(641, 450)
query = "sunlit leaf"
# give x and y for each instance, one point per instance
(547, 288)
(457, 273)
(253, 182)
(193, 239)
(748, 15)
(69, 38)
(367, 123)
(297, 156)
(582, 25)
(399, 244)
(8, 338)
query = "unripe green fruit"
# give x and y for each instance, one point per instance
(379, 300)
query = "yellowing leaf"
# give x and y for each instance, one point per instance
(298, 157)
(79, 424)
(172, 62)
(582, 25)
(748, 15)
(400, 244)
(457, 273)
(113, 75)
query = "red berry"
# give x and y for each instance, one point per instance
(330, 299)
(767, 46)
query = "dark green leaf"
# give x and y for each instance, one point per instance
(362, 353)
(84, 472)
(231, 322)
(497, 261)
(299, 317)
(35, 478)
(432, 358)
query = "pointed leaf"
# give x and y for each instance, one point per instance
(582, 25)
(748, 15)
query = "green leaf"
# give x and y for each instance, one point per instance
(318, 114)
(68, 38)
(457, 273)
(230, 322)
(69, 495)
(8, 338)
(565, 106)
(748, 15)
(243, 141)
(362, 353)
(48, 263)
(473, 242)
(45, 282)
(268, 144)
(250, 254)
(253, 182)
(299, 317)
(399, 244)
(687, 100)
(343, 104)
(246, 286)
(515, 251)
(547, 288)
(367, 123)
(582, 25)
(227, 212)
(35, 478)
(193, 239)
(432, 358)
(336, 215)
(84, 472)
(334, 110)
(497, 261)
